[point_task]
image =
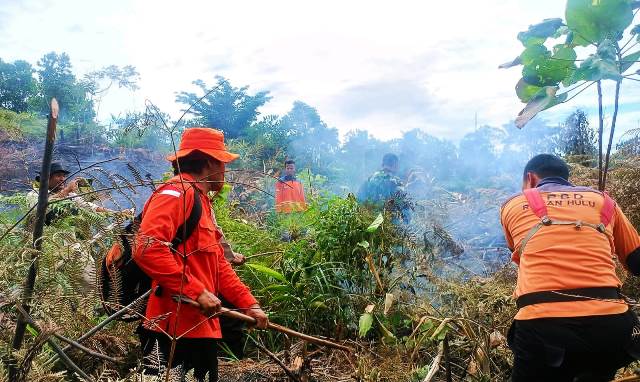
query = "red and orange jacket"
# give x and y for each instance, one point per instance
(561, 257)
(289, 196)
(206, 266)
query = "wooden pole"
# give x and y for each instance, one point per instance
(43, 198)
(447, 358)
(252, 321)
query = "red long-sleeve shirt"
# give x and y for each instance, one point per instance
(206, 267)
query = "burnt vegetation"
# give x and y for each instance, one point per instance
(427, 299)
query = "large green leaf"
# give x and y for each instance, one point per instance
(267, 271)
(542, 68)
(562, 62)
(538, 33)
(533, 54)
(564, 52)
(628, 60)
(591, 21)
(526, 91)
(366, 321)
(515, 62)
(376, 223)
(543, 100)
(387, 335)
(596, 68)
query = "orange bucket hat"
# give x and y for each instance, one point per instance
(206, 140)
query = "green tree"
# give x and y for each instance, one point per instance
(577, 138)
(17, 85)
(269, 140)
(56, 80)
(139, 130)
(225, 107)
(311, 142)
(98, 83)
(552, 77)
(630, 145)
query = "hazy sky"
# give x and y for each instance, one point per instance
(383, 66)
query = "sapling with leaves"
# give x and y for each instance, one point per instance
(552, 72)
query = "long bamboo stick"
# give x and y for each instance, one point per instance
(279, 328)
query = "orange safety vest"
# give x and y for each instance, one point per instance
(290, 196)
(562, 238)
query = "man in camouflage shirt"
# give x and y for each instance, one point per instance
(383, 184)
(385, 189)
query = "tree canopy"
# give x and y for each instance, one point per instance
(223, 106)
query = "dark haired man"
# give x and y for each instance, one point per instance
(383, 184)
(58, 190)
(571, 322)
(289, 191)
(196, 269)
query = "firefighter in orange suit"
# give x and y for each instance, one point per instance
(289, 191)
(572, 324)
(196, 269)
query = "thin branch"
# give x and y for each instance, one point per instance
(600, 134)
(613, 128)
(195, 103)
(276, 360)
(578, 93)
(88, 167)
(435, 364)
(632, 38)
(85, 349)
(564, 59)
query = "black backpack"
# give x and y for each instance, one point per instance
(121, 282)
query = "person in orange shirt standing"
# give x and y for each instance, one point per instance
(572, 323)
(289, 191)
(193, 267)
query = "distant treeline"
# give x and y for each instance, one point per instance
(486, 157)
